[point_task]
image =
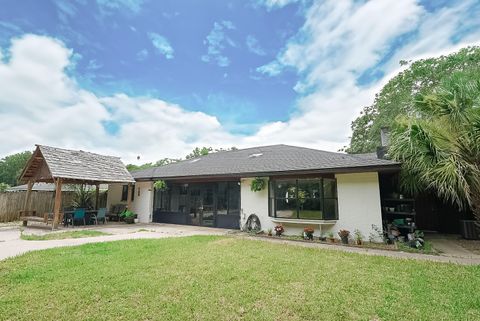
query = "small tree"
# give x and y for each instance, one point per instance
(439, 146)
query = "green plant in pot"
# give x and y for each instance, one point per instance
(308, 233)
(344, 234)
(128, 216)
(331, 238)
(358, 237)
(269, 231)
(258, 184)
(160, 185)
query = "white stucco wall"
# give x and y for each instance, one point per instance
(254, 203)
(142, 204)
(358, 202)
(358, 206)
(114, 195)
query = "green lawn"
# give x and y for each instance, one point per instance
(62, 235)
(221, 278)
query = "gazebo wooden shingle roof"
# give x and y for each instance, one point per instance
(64, 166)
(49, 163)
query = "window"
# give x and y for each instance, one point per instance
(125, 193)
(223, 198)
(314, 198)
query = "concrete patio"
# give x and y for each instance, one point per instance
(11, 244)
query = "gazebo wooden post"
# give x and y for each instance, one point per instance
(129, 196)
(26, 205)
(58, 202)
(97, 192)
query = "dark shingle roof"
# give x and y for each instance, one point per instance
(264, 160)
(84, 166)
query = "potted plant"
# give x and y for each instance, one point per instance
(160, 185)
(279, 230)
(269, 231)
(331, 238)
(344, 236)
(258, 184)
(358, 237)
(308, 233)
(128, 216)
(322, 238)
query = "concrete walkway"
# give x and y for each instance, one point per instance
(11, 245)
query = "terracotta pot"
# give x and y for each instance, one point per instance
(331, 239)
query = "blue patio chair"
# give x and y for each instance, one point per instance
(78, 215)
(100, 216)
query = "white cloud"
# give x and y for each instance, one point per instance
(161, 44)
(254, 46)
(142, 55)
(339, 41)
(43, 105)
(217, 41)
(106, 6)
(275, 4)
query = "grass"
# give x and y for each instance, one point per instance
(227, 278)
(62, 235)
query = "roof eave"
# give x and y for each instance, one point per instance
(339, 170)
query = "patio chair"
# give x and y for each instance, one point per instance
(78, 215)
(100, 216)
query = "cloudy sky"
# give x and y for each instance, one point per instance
(156, 78)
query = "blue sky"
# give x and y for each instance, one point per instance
(179, 74)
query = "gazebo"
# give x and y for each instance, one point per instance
(63, 166)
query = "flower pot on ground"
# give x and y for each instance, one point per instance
(344, 234)
(269, 232)
(279, 230)
(331, 238)
(322, 238)
(308, 233)
(128, 216)
(358, 237)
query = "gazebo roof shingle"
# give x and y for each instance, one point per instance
(48, 163)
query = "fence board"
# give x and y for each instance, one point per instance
(41, 201)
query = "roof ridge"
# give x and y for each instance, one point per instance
(76, 150)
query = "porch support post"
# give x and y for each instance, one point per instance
(97, 192)
(26, 205)
(58, 202)
(129, 196)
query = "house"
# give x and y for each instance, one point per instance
(302, 187)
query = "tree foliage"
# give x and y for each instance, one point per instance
(11, 167)
(196, 152)
(439, 145)
(397, 96)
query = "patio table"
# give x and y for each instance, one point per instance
(69, 215)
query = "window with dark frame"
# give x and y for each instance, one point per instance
(311, 198)
(125, 193)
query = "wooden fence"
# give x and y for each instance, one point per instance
(41, 201)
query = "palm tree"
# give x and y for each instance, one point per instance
(439, 145)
